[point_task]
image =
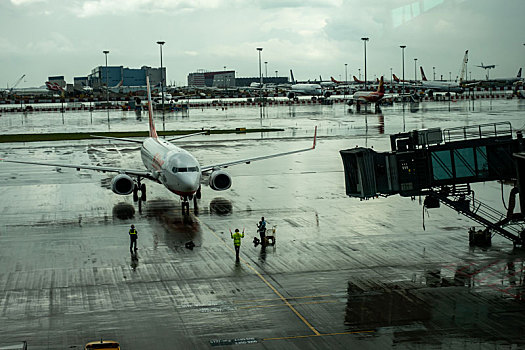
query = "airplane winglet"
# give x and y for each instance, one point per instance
(315, 137)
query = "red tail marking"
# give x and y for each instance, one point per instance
(381, 87)
(152, 130)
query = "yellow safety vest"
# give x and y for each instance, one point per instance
(236, 236)
(132, 232)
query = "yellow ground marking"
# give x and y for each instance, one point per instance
(318, 335)
(278, 305)
(291, 298)
(281, 297)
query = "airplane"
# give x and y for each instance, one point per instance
(360, 97)
(490, 66)
(305, 89)
(503, 81)
(399, 80)
(167, 164)
(357, 80)
(443, 86)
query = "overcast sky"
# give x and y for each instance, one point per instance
(42, 38)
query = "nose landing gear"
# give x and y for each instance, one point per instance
(186, 202)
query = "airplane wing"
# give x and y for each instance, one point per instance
(207, 132)
(133, 172)
(116, 138)
(249, 160)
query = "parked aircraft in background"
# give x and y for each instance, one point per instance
(360, 97)
(167, 164)
(443, 86)
(503, 81)
(307, 89)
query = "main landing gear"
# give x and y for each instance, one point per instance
(139, 187)
(186, 202)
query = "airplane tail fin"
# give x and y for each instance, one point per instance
(152, 130)
(519, 73)
(423, 76)
(396, 79)
(381, 87)
(356, 80)
(334, 81)
(291, 76)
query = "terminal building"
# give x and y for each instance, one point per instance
(117, 76)
(221, 79)
(227, 79)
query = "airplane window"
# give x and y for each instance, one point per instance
(184, 170)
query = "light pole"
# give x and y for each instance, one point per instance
(359, 70)
(224, 77)
(260, 74)
(161, 75)
(107, 88)
(346, 73)
(403, 64)
(415, 69)
(364, 41)
(391, 83)
(449, 76)
(276, 73)
(266, 69)
(434, 70)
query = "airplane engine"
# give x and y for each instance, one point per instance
(291, 95)
(327, 94)
(122, 184)
(220, 180)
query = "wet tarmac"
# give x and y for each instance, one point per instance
(343, 273)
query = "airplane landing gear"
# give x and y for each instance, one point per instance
(139, 187)
(186, 203)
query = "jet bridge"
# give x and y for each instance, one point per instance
(441, 165)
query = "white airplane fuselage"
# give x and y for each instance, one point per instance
(307, 89)
(177, 169)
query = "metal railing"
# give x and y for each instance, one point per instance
(478, 131)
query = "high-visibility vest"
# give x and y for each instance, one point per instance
(237, 238)
(133, 232)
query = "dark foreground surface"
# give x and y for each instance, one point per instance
(343, 274)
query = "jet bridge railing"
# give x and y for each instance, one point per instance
(480, 131)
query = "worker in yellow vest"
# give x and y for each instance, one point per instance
(236, 236)
(133, 235)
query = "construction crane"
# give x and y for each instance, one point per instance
(9, 90)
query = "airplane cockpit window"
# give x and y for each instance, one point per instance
(192, 169)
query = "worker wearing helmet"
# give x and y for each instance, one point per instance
(237, 236)
(133, 235)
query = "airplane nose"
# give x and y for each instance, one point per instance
(188, 182)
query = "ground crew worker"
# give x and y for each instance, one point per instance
(261, 227)
(236, 236)
(133, 235)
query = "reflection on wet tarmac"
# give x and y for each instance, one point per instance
(170, 226)
(342, 265)
(220, 206)
(123, 211)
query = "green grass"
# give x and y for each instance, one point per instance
(85, 136)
